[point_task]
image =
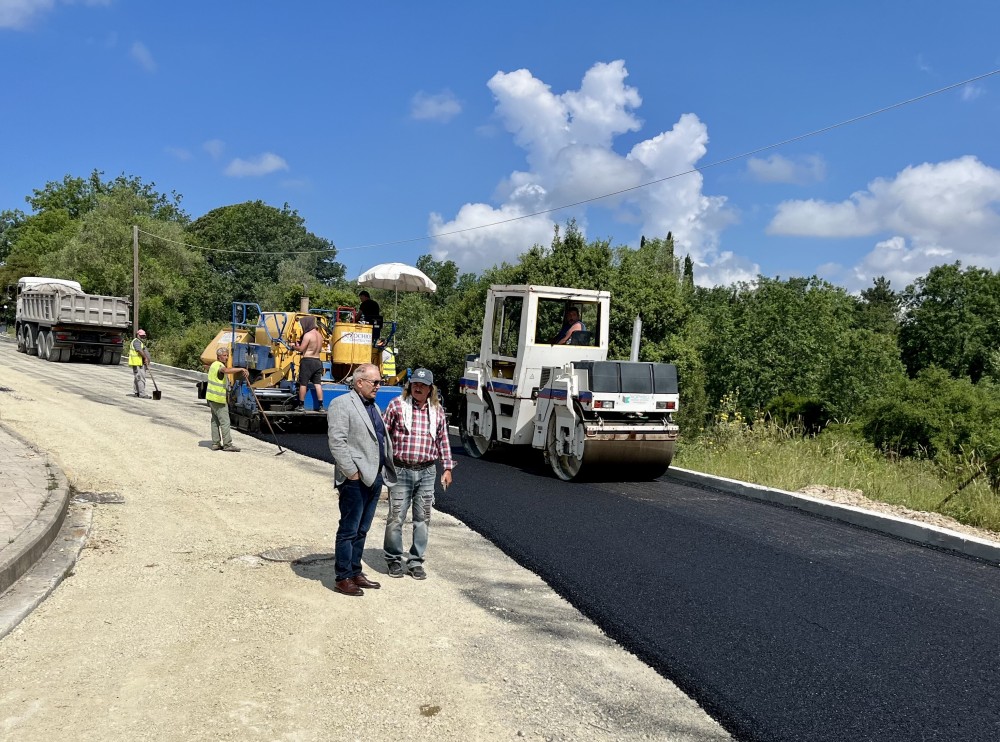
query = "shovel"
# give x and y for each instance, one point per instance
(157, 394)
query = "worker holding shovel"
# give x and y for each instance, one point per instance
(215, 395)
(138, 361)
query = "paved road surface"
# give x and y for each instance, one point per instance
(784, 626)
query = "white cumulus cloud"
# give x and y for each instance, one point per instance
(568, 143)
(259, 165)
(141, 54)
(928, 214)
(780, 169)
(442, 107)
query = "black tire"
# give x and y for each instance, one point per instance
(30, 345)
(45, 341)
(476, 446)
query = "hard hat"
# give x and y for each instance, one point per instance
(141, 334)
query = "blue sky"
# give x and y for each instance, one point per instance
(392, 122)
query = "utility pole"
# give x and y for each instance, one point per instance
(135, 279)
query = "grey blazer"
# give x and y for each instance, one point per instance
(353, 443)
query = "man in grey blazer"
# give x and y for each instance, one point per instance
(362, 455)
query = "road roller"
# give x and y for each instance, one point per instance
(542, 379)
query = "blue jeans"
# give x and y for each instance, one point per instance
(412, 489)
(357, 508)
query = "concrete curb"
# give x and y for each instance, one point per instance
(910, 530)
(29, 546)
(45, 575)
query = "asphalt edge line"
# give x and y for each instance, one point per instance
(29, 545)
(892, 525)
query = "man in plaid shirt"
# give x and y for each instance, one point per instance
(417, 426)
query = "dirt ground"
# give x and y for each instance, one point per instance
(172, 628)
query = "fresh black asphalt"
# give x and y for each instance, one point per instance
(782, 625)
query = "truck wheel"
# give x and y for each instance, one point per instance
(44, 345)
(477, 443)
(29, 342)
(19, 334)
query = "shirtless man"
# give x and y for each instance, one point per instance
(310, 367)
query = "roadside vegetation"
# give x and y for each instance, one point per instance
(786, 382)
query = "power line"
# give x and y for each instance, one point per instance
(749, 153)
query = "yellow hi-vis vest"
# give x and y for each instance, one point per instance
(134, 356)
(388, 363)
(216, 389)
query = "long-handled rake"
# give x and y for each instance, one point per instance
(260, 410)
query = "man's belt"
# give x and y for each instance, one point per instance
(415, 467)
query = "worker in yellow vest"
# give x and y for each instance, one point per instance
(138, 361)
(389, 363)
(215, 395)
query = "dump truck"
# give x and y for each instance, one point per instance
(589, 416)
(262, 342)
(56, 320)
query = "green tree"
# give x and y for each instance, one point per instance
(772, 338)
(878, 309)
(174, 280)
(257, 252)
(951, 320)
(937, 416)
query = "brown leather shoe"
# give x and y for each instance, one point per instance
(361, 581)
(347, 587)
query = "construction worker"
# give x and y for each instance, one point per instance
(388, 361)
(215, 395)
(138, 361)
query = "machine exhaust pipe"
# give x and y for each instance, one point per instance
(304, 304)
(636, 335)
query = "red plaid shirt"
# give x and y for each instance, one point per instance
(420, 444)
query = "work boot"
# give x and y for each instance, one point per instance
(216, 446)
(361, 581)
(417, 573)
(231, 448)
(395, 569)
(143, 396)
(347, 587)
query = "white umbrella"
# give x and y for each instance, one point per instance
(397, 276)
